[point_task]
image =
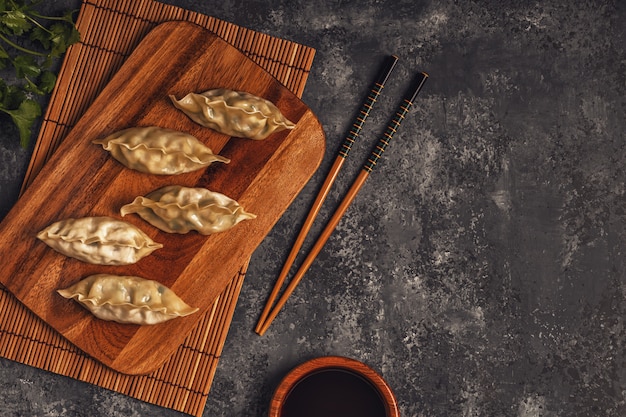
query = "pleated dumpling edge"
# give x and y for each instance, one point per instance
(234, 113)
(127, 299)
(159, 151)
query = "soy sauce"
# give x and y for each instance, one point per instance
(333, 392)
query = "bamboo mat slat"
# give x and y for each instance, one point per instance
(110, 31)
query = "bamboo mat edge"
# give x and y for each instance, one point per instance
(183, 382)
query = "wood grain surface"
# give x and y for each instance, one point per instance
(82, 179)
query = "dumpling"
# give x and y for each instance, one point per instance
(234, 113)
(156, 150)
(178, 209)
(99, 240)
(127, 299)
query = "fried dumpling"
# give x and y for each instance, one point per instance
(127, 299)
(99, 240)
(234, 113)
(178, 209)
(156, 150)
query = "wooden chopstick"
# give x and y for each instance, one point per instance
(364, 112)
(369, 165)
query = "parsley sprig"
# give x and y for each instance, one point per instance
(30, 44)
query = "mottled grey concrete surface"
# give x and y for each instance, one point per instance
(481, 269)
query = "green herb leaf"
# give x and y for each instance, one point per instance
(29, 44)
(47, 81)
(4, 58)
(24, 118)
(41, 35)
(26, 66)
(15, 21)
(68, 17)
(12, 96)
(62, 37)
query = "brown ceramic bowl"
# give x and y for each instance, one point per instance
(333, 386)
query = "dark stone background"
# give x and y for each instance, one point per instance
(481, 269)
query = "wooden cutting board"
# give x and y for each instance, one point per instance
(82, 179)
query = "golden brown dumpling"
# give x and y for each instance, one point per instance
(155, 150)
(234, 113)
(177, 209)
(127, 299)
(99, 240)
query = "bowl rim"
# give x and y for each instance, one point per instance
(333, 362)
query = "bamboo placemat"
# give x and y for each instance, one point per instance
(110, 30)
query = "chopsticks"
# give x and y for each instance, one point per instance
(344, 150)
(267, 317)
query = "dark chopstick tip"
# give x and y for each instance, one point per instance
(389, 65)
(417, 85)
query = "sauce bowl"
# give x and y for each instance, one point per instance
(331, 386)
